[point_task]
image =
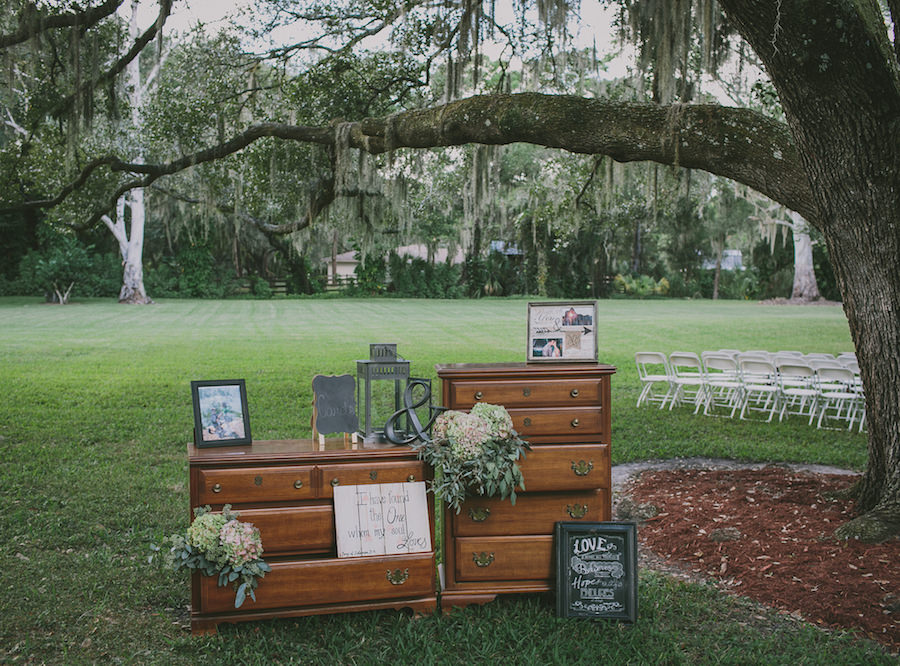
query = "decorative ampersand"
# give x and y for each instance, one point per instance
(419, 432)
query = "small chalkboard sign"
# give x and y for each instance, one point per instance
(334, 404)
(596, 570)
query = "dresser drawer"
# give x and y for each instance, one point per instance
(504, 558)
(533, 513)
(328, 581)
(576, 467)
(573, 422)
(296, 529)
(526, 393)
(255, 484)
(361, 474)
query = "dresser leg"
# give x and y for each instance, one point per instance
(204, 628)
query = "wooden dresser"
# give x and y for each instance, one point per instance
(285, 488)
(492, 547)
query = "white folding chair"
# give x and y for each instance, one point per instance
(760, 387)
(797, 385)
(839, 399)
(817, 356)
(722, 385)
(686, 380)
(757, 353)
(653, 370)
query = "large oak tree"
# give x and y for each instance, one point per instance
(836, 162)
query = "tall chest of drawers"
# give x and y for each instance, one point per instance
(492, 547)
(286, 489)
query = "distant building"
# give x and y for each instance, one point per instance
(420, 251)
(341, 268)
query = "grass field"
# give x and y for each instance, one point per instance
(97, 412)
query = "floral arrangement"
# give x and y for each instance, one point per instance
(474, 453)
(218, 544)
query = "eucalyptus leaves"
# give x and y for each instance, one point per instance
(218, 544)
(474, 453)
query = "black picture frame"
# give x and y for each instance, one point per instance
(562, 332)
(596, 570)
(221, 417)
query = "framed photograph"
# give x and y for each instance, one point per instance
(562, 331)
(596, 570)
(220, 413)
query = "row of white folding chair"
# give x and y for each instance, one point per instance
(751, 383)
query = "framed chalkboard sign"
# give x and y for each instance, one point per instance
(334, 404)
(596, 570)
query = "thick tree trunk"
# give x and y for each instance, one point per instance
(805, 286)
(837, 79)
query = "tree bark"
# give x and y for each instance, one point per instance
(837, 79)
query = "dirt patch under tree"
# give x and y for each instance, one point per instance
(768, 534)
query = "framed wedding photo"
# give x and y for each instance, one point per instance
(221, 417)
(562, 332)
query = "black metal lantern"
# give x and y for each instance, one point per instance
(380, 382)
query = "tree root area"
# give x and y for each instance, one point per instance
(768, 534)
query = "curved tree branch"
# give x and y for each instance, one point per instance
(33, 21)
(735, 143)
(732, 142)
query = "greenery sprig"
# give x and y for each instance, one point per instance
(218, 544)
(475, 453)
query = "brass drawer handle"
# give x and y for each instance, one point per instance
(483, 559)
(479, 514)
(398, 576)
(411, 478)
(574, 393)
(479, 395)
(335, 482)
(217, 488)
(582, 468)
(298, 484)
(575, 423)
(373, 474)
(578, 511)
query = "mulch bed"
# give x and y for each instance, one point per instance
(767, 534)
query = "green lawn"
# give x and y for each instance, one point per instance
(97, 412)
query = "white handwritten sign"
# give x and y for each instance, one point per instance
(381, 519)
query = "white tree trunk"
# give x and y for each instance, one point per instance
(805, 286)
(132, 245)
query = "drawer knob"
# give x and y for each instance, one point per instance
(527, 421)
(479, 395)
(574, 393)
(582, 468)
(483, 559)
(479, 514)
(575, 423)
(373, 474)
(411, 478)
(578, 511)
(335, 482)
(526, 392)
(398, 576)
(298, 484)
(217, 488)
